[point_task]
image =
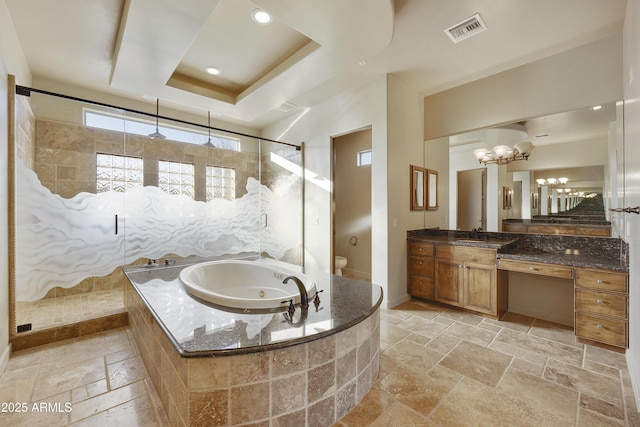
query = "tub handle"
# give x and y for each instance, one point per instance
(291, 309)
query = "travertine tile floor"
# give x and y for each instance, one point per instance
(51, 312)
(437, 367)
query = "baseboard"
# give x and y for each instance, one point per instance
(387, 304)
(634, 375)
(542, 315)
(4, 358)
(358, 275)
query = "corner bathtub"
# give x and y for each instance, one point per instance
(209, 363)
(243, 284)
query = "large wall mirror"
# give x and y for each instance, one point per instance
(582, 145)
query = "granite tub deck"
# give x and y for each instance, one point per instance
(578, 251)
(216, 367)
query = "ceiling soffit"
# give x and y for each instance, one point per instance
(163, 48)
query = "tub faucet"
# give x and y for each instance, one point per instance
(304, 298)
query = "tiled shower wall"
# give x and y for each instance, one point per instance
(65, 162)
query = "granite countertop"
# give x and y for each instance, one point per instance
(559, 220)
(464, 238)
(571, 257)
(199, 329)
(577, 251)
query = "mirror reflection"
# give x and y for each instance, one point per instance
(555, 167)
(417, 188)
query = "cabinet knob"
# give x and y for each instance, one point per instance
(420, 263)
(599, 301)
(599, 281)
(599, 326)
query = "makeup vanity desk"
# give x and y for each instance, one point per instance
(471, 271)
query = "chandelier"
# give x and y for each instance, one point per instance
(504, 154)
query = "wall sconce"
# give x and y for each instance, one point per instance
(503, 154)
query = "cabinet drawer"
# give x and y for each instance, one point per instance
(536, 268)
(421, 287)
(467, 254)
(601, 303)
(514, 228)
(592, 231)
(420, 266)
(552, 229)
(420, 248)
(608, 331)
(604, 280)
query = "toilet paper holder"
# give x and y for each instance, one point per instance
(353, 240)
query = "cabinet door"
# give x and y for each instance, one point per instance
(448, 286)
(480, 288)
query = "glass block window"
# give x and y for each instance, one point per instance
(176, 178)
(221, 183)
(117, 173)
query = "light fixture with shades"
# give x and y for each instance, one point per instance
(157, 134)
(208, 143)
(504, 154)
(552, 182)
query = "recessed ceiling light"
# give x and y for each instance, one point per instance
(260, 16)
(213, 71)
(362, 62)
(596, 107)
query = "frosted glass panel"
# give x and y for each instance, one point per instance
(101, 199)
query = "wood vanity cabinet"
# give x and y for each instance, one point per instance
(601, 306)
(420, 269)
(467, 277)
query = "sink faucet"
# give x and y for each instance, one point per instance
(304, 298)
(474, 233)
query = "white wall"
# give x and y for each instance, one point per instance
(12, 61)
(349, 111)
(631, 84)
(394, 113)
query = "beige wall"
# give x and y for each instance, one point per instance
(577, 78)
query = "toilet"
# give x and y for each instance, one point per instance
(341, 262)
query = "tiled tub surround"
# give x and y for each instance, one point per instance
(208, 365)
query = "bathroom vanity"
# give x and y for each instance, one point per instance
(470, 271)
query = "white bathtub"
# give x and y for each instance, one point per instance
(243, 284)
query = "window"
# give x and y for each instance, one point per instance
(364, 158)
(118, 123)
(176, 178)
(221, 183)
(117, 173)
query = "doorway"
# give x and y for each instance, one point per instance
(351, 203)
(472, 202)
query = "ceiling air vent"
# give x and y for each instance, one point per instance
(286, 107)
(465, 29)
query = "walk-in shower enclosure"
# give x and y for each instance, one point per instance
(93, 192)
